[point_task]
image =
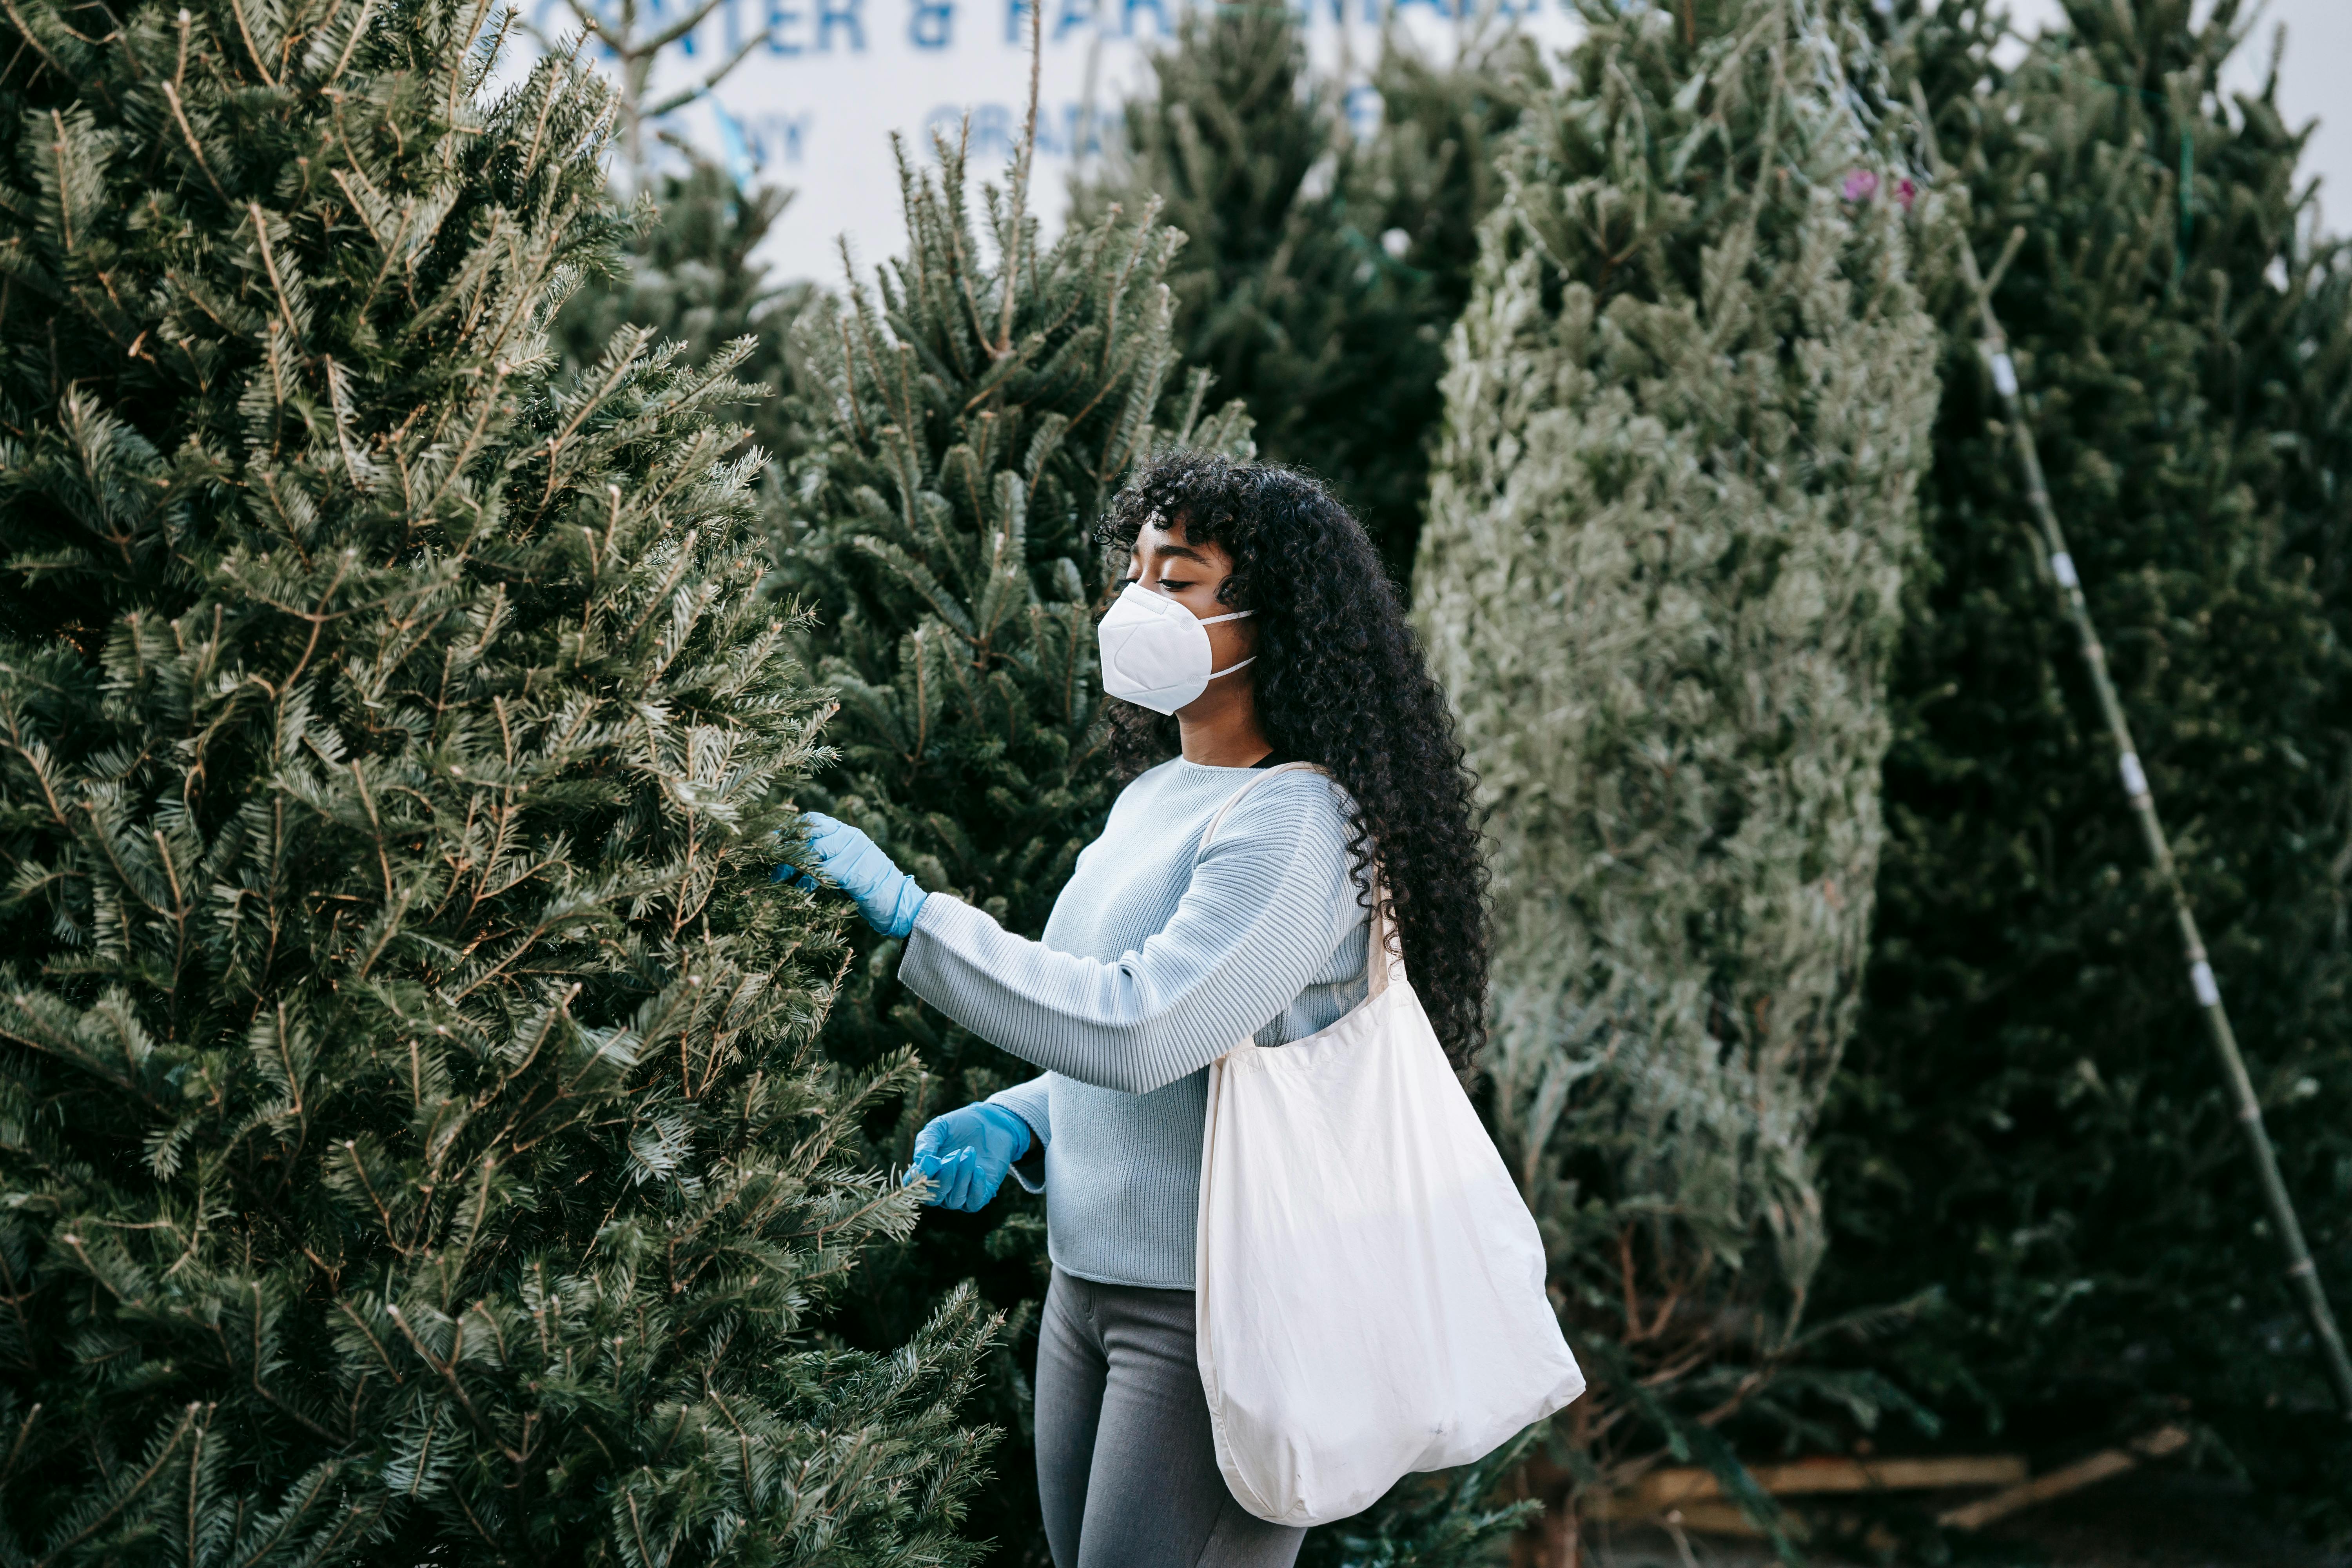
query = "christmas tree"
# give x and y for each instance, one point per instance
(971, 411)
(1686, 412)
(2031, 1123)
(1318, 275)
(413, 1144)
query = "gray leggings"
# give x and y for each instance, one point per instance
(1126, 1468)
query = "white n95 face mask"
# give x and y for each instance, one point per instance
(1155, 652)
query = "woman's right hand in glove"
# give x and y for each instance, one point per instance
(966, 1152)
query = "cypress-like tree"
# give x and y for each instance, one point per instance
(1686, 413)
(1320, 275)
(2032, 1124)
(412, 1142)
(970, 413)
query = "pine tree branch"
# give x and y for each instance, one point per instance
(180, 911)
(1021, 186)
(849, 363)
(467, 1508)
(32, 1416)
(458, 87)
(567, 61)
(383, 1213)
(269, 267)
(710, 80)
(253, 1378)
(958, 263)
(127, 1491)
(681, 561)
(623, 364)
(172, 90)
(359, 30)
(237, 9)
(32, 39)
(447, 1370)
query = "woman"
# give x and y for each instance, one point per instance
(1256, 627)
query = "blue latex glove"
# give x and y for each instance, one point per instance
(885, 896)
(966, 1153)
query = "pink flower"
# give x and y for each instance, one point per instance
(1906, 193)
(1861, 184)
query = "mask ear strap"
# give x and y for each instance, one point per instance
(1213, 620)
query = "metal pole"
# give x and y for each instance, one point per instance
(2302, 1276)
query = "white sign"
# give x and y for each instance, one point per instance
(813, 106)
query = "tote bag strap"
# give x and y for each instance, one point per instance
(1256, 779)
(1383, 962)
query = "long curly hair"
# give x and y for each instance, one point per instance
(1340, 682)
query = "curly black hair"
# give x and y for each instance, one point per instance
(1341, 682)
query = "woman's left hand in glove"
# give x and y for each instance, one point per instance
(885, 896)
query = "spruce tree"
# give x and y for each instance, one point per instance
(412, 1143)
(971, 411)
(1686, 412)
(1319, 275)
(2032, 1123)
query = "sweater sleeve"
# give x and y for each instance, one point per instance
(1033, 1102)
(1269, 901)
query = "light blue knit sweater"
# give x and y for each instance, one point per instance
(1159, 958)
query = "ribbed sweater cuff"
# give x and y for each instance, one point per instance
(1029, 1102)
(942, 918)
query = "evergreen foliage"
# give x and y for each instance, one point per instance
(1449, 1519)
(2031, 1121)
(1319, 274)
(630, 43)
(413, 1143)
(689, 276)
(1686, 411)
(970, 413)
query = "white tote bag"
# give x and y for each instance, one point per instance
(1369, 1284)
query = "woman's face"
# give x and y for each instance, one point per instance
(1190, 574)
